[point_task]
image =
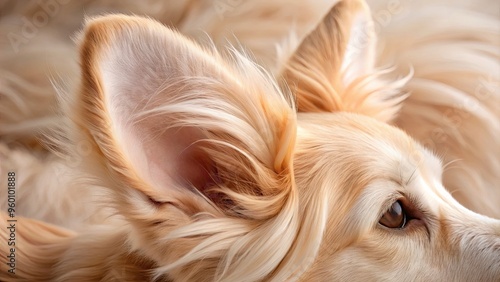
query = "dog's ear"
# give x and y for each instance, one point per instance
(332, 69)
(182, 130)
(168, 115)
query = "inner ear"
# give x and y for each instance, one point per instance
(177, 155)
(168, 156)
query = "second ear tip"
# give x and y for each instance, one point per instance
(355, 5)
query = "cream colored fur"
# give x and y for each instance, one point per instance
(179, 159)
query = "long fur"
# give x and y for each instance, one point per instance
(273, 193)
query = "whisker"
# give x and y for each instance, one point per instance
(411, 176)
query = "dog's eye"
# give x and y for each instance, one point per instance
(395, 217)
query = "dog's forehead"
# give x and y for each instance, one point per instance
(361, 148)
(346, 154)
(357, 144)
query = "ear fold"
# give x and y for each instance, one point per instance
(332, 69)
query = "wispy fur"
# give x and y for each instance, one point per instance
(188, 161)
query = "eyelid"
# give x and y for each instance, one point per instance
(389, 201)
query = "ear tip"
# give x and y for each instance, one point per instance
(107, 19)
(354, 6)
(106, 25)
(97, 29)
(103, 29)
(100, 31)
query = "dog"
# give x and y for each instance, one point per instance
(212, 165)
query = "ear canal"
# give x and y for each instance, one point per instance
(332, 69)
(170, 117)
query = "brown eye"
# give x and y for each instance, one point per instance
(395, 217)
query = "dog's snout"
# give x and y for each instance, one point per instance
(496, 237)
(475, 244)
(480, 248)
